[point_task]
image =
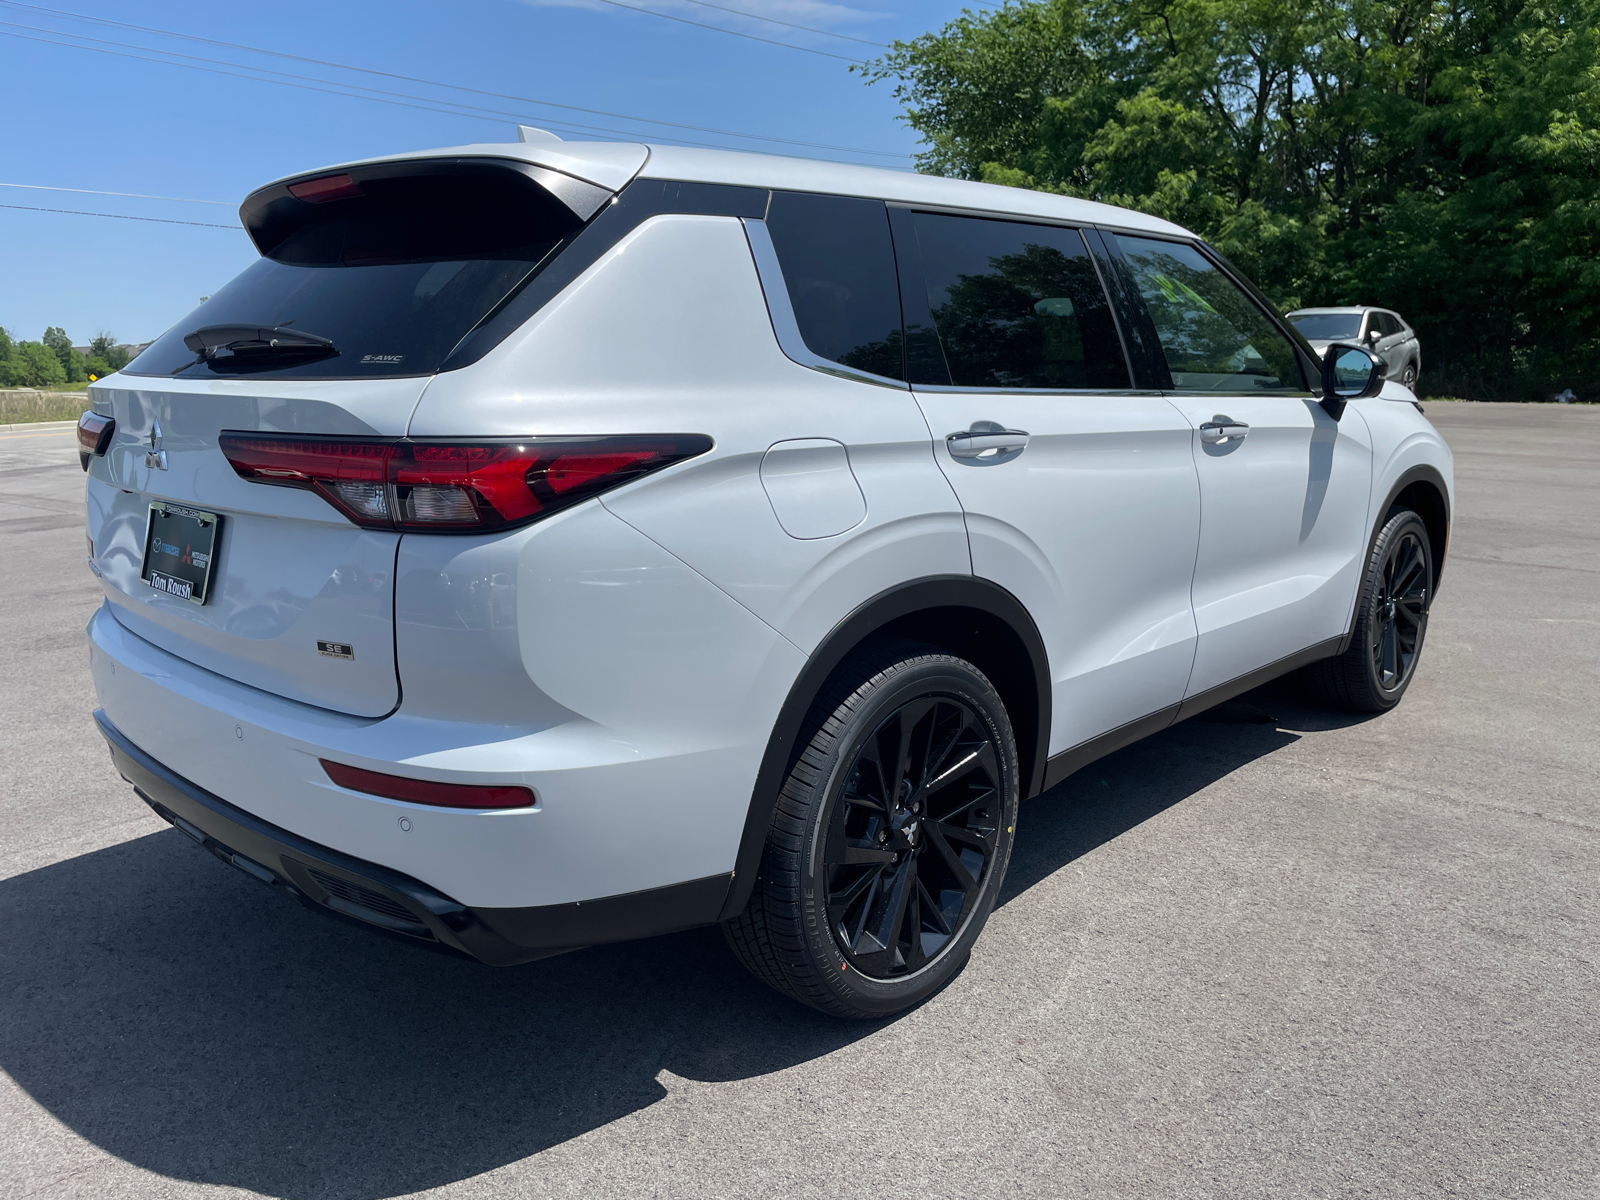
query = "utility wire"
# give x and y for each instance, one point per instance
(119, 216)
(457, 109)
(739, 12)
(730, 32)
(40, 187)
(496, 117)
(436, 83)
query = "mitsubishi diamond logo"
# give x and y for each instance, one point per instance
(155, 457)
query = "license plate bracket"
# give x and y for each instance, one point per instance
(180, 550)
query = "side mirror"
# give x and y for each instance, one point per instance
(1351, 373)
(1374, 335)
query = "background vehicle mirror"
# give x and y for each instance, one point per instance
(1374, 334)
(1351, 372)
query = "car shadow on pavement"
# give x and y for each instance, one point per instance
(181, 1017)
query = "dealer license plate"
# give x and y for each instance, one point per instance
(180, 548)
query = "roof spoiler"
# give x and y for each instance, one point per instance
(273, 213)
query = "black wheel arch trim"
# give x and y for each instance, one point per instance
(1437, 523)
(895, 612)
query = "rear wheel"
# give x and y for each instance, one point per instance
(890, 839)
(1391, 621)
(1408, 376)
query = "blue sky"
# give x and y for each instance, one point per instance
(76, 117)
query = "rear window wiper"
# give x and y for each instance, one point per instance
(257, 341)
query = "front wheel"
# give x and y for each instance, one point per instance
(890, 839)
(1391, 621)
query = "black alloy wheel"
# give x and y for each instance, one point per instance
(1391, 621)
(912, 837)
(890, 838)
(1395, 634)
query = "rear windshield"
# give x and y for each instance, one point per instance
(1326, 327)
(393, 277)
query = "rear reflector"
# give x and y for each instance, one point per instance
(329, 187)
(424, 791)
(460, 487)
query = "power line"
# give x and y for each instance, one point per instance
(40, 187)
(730, 32)
(436, 83)
(457, 109)
(118, 216)
(739, 12)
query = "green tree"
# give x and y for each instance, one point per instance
(111, 355)
(33, 364)
(73, 364)
(1428, 155)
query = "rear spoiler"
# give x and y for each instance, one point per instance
(273, 213)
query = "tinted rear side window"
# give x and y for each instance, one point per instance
(1213, 335)
(838, 264)
(394, 277)
(1017, 305)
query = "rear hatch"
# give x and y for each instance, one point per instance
(369, 278)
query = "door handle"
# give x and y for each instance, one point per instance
(986, 440)
(1221, 430)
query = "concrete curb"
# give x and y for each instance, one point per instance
(48, 426)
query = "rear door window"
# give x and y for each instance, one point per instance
(1215, 337)
(1017, 305)
(838, 264)
(394, 274)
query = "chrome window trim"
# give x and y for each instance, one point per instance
(781, 311)
(952, 389)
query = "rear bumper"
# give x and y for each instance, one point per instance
(329, 881)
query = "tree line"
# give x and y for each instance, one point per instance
(1436, 157)
(52, 360)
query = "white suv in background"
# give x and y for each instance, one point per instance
(557, 543)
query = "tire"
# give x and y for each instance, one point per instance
(1391, 621)
(875, 883)
(1408, 375)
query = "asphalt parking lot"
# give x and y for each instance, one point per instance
(1277, 952)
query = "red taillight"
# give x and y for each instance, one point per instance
(329, 187)
(425, 791)
(452, 486)
(94, 436)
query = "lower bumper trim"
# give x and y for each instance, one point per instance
(340, 885)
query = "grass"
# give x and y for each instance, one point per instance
(61, 407)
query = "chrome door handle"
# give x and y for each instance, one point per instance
(1221, 429)
(986, 439)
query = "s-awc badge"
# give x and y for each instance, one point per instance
(336, 650)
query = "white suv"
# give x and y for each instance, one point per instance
(557, 543)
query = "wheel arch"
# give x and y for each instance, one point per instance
(1422, 489)
(970, 617)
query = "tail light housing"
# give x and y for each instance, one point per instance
(426, 791)
(94, 436)
(450, 486)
